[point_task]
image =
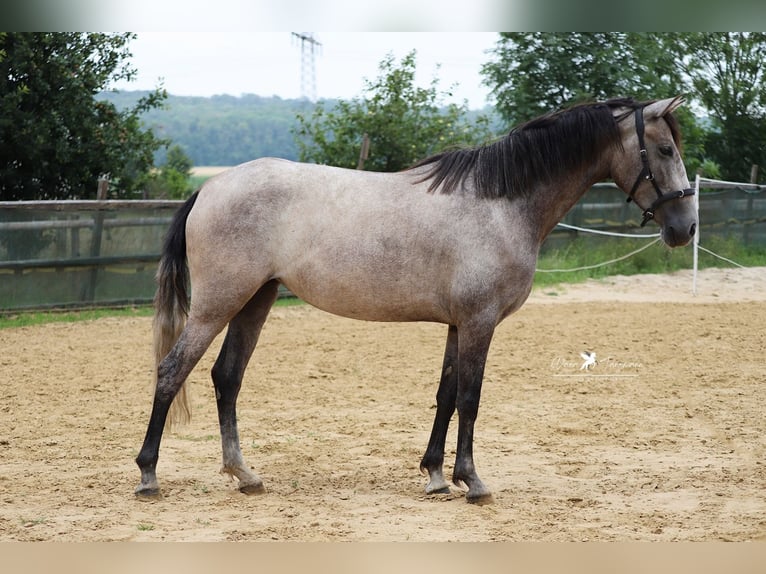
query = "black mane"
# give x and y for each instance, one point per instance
(537, 151)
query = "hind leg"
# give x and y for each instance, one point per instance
(171, 374)
(239, 344)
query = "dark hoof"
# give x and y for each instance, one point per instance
(479, 499)
(148, 493)
(443, 490)
(252, 488)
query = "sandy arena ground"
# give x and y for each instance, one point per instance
(664, 439)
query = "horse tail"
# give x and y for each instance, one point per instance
(171, 304)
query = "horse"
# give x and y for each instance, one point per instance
(454, 239)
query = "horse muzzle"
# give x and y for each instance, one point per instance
(678, 233)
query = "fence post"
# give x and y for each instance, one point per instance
(749, 220)
(364, 153)
(696, 238)
(95, 244)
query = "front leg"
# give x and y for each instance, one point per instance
(473, 348)
(433, 459)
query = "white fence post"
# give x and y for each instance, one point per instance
(696, 240)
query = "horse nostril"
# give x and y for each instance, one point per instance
(692, 229)
(670, 235)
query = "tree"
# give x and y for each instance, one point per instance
(173, 181)
(533, 73)
(404, 123)
(55, 138)
(726, 73)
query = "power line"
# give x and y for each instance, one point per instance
(309, 47)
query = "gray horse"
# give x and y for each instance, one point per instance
(454, 240)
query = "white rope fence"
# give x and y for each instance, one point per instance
(715, 183)
(747, 187)
(615, 260)
(611, 233)
(721, 257)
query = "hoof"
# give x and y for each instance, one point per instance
(436, 483)
(479, 499)
(252, 488)
(442, 490)
(152, 493)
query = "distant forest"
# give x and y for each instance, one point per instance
(224, 130)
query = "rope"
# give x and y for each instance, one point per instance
(731, 185)
(711, 183)
(586, 267)
(721, 257)
(610, 233)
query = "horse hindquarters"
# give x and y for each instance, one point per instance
(211, 309)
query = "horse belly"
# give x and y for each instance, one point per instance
(367, 296)
(371, 278)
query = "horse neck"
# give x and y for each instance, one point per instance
(552, 201)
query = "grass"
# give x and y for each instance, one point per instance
(580, 252)
(587, 251)
(26, 319)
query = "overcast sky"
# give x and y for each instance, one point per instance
(269, 63)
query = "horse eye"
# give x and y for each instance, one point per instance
(666, 150)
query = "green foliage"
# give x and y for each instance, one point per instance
(532, 73)
(726, 69)
(178, 161)
(173, 181)
(55, 138)
(726, 73)
(404, 123)
(710, 169)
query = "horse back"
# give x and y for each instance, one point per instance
(366, 245)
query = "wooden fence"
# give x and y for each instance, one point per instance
(80, 253)
(105, 252)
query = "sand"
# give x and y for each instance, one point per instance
(663, 439)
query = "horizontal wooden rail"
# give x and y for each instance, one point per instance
(82, 223)
(92, 204)
(78, 262)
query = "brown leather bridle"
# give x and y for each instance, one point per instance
(646, 174)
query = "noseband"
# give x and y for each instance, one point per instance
(646, 174)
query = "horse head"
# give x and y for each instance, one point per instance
(650, 170)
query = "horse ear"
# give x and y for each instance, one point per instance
(661, 108)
